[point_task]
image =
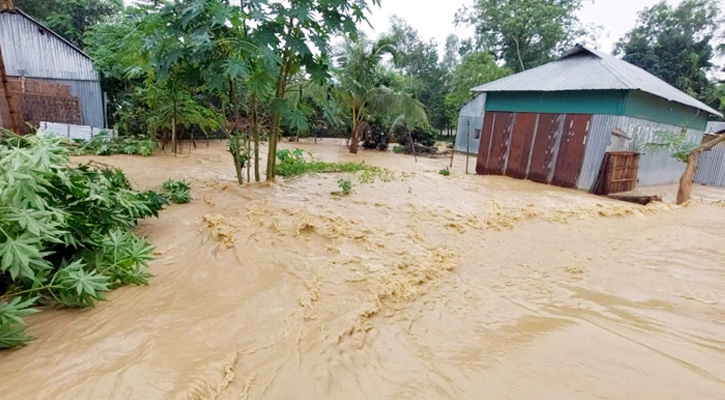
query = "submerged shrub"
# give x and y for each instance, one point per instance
(345, 185)
(65, 233)
(292, 163)
(178, 191)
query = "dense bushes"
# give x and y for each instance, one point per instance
(102, 145)
(65, 233)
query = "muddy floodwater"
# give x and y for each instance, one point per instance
(416, 286)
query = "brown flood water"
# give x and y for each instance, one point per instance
(421, 287)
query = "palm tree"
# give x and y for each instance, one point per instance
(359, 90)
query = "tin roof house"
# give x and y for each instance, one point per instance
(581, 122)
(47, 77)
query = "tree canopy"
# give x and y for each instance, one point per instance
(676, 44)
(523, 33)
(70, 18)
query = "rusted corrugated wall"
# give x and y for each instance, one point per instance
(711, 171)
(470, 122)
(655, 168)
(547, 148)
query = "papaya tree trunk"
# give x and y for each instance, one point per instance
(255, 132)
(173, 128)
(277, 117)
(684, 192)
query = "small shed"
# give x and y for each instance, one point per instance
(561, 123)
(47, 77)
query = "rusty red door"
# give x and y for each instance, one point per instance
(520, 145)
(488, 123)
(544, 147)
(571, 150)
(499, 143)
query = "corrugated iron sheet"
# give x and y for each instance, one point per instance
(711, 170)
(470, 123)
(32, 51)
(588, 69)
(655, 168)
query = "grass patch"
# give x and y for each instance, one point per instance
(445, 171)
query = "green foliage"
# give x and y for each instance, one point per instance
(65, 236)
(419, 60)
(398, 149)
(102, 145)
(178, 191)
(676, 144)
(403, 131)
(345, 186)
(475, 70)
(293, 163)
(524, 33)
(445, 171)
(676, 43)
(70, 18)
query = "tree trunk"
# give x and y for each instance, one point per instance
(693, 159)
(356, 135)
(173, 129)
(14, 126)
(234, 147)
(255, 129)
(354, 143)
(277, 118)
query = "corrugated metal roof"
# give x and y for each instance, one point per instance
(32, 50)
(715, 127)
(587, 69)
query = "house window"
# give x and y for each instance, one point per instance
(477, 135)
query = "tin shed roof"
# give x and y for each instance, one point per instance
(583, 68)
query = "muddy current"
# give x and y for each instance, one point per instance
(416, 286)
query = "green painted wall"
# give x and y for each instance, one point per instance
(644, 105)
(606, 102)
(566, 102)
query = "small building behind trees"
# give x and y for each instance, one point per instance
(582, 122)
(47, 78)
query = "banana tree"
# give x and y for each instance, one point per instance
(359, 76)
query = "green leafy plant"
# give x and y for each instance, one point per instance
(102, 145)
(676, 144)
(65, 236)
(293, 163)
(398, 149)
(345, 185)
(445, 171)
(178, 191)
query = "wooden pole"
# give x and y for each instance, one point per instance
(468, 143)
(6, 90)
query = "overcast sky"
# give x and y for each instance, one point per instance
(434, 18)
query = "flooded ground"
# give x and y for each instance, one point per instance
(416, 286)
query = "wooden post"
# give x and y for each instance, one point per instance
(468, 143)
(14, 126)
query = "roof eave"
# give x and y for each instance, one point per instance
(40, 24)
